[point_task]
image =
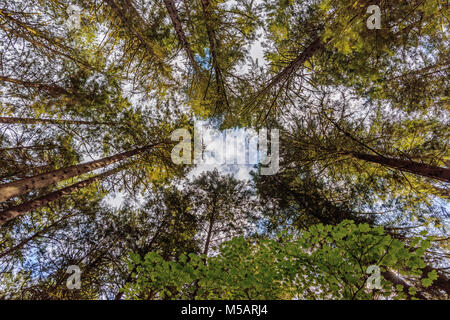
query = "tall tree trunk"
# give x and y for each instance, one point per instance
(29, 32)
(20, 187)
(14, 212)
(16, 120)
(142, 253)
(126, 13)
(173, 13)
(24, 172)
(205, 252)
(316, 46)
(213, 46)
(30, 238)
(52, 89)
(441, 283)
(41, 147)
(422, 71)
(206, 6)
(208, 236)
(397, 280)
(421, 169)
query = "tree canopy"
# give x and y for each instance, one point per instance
(91, 92)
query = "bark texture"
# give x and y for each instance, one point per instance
(20, 187)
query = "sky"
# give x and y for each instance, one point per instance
(239, 171)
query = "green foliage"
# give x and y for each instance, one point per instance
(363, 117)
(323, 262)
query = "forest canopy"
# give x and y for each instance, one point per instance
(342, 105)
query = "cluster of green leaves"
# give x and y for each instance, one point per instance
(323, 262)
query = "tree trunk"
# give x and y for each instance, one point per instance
(171, 8)
(316, 46)
(441, 283)
(123, 9)
(146, 249)
(208, 237)
(53, 89)
(421, 169)
(26, 240)
(32, 31)
(205, 252)
(210, 31)
(20, 187)
(25, 172)
(16, 120)
(213, 47)
(42, 147)
(396, 280)
(14, 212)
